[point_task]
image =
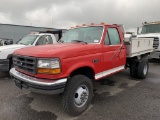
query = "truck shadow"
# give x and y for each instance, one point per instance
(113, 85)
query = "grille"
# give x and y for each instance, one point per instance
(156, 42)
(25, 63)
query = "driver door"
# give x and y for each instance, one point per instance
(113, 51)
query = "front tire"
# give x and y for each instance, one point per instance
(77, 95)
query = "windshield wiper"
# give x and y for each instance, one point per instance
(78, 41)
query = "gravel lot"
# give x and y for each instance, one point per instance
(121, 98)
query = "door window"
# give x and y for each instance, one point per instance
(112, 37)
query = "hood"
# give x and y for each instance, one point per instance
(149, 35)
(13, 46)
(60, 50)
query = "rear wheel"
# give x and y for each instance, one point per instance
(133, 69)
(143, 69)
(78, 95)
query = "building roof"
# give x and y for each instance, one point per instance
(30, 26)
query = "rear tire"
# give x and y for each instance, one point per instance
(133, 69)
(143, 69)
(77, 95)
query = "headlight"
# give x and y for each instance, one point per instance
(49, 66)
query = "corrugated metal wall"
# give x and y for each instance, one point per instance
(16, 32)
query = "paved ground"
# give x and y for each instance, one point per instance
(122, 98)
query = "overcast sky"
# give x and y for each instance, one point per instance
(68, 13)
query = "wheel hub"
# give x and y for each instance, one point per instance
(81, 96)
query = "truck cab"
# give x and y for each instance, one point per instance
(33, 39)
(151, 30)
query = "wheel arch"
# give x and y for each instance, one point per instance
(85, 70)
(9, 57)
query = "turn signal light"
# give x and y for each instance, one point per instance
(49, 71)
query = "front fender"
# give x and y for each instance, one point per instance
(9, 56)
(68, 69)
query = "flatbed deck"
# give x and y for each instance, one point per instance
(138, 46)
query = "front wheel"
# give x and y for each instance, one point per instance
(77, 95)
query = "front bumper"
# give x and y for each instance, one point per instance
(44, 86)
(4, 65)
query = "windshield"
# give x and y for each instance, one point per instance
(154, 28)
(28, 40)
(84, 34)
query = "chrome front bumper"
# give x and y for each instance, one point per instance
(44, 86)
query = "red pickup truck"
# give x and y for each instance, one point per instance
(83, 54)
